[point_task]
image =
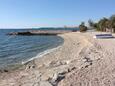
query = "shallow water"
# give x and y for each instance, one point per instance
(17, 49)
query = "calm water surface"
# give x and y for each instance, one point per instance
(17, 49)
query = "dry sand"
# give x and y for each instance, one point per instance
(80, 61)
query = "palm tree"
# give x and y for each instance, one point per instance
(104, 24)
(112, 19)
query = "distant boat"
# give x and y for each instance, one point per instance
(101, 36)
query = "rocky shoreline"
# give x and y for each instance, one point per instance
(50, 69)
(80, 61)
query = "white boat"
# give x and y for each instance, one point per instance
(102, 36)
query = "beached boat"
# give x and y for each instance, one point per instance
(101, 36)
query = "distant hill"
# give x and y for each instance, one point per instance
(51, 28)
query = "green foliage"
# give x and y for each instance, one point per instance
(112, 19)
(82, 27)
(104, 24)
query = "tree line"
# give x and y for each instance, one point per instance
(104, 24)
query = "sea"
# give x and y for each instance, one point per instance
(17, 50)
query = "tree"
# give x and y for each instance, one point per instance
(104, 24)
(91, 23)
(82, 27)
(101, 25)
(112, 19)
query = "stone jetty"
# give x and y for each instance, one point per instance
(40, 32)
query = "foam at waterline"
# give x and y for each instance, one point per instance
(42, 54)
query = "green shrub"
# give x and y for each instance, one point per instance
(82, 27)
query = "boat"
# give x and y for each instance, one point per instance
(103, 36)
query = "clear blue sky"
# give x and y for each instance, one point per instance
(47, 13)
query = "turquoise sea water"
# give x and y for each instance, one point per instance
(19, 49)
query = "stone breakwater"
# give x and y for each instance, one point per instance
(40, 32)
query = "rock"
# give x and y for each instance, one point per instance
(87, 59)
(67, 62)
(55, 63)
(5, 70)
(20, 33)
(45, 83)
(40, 66)
(71, 69)
(30, 67)
(13, 33)
(38, 32)
(58, 63)
(46, 76)
(57, 78)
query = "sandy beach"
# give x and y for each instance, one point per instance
(80, 61)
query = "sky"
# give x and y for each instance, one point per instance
(52, 13)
